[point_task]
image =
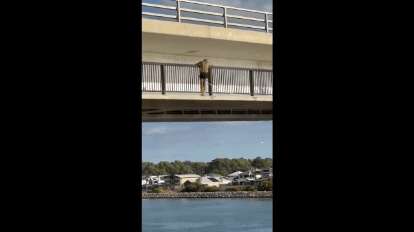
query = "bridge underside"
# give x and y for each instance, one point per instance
(193, 107)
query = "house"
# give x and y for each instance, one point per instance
(225, 180)
(165, 179)
(233, 175)
(257, 173)
(267, 173)
(213, 180)
(182, 178)
(155, 180)
(209, 181)
(247, 177)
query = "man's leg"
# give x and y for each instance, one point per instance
(210, 85)
(203, 88)
(203, 84)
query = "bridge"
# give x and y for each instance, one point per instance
(179, 35)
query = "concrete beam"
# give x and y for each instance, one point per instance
(197, 102)
(193, 107)
(207, 118)
(206, 32)
(198, 97)
(173, 42)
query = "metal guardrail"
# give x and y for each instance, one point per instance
(262, 82)
(227, 14)
(158, 77)
(182, 78)
(151, 78)
(231, 81)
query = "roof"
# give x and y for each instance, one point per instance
(235, 173)
(188, 176)
(214, 175)
(205, 179)
(251, 171)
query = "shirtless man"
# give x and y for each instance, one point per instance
(203, 65)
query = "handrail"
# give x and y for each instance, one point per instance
(169, 77)
(228, 7)
(225, 16)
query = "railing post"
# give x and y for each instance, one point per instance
(178, 11)
(210, 82)
(225, 16)
(162, 79)
(267, 22)
(251, 79)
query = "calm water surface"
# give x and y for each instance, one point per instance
(207, 215)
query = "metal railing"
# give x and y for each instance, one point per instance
(227, 15)
(182, 78)
(159, 77)
(230, 80)
(151, 78)
(262, 82)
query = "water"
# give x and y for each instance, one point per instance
(207, 215)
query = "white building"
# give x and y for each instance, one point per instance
(182, 178)
(247, 177)
(155, 180)
(267, 173)
(233, 175)
(214, 180)
(209, 181)
(224, 180)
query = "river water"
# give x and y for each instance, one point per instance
(207, 215)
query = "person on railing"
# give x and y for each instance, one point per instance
(203, 65)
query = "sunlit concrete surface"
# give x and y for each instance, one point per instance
(173, 42)
(203, 31)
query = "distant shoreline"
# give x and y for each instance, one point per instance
(238, 194)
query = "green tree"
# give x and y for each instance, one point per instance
(199, 168)
(258, 162)
(265, 186)
(218, 166)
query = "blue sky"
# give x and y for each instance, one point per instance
(261, 5)
(205, 141)
(249, 4)
(265, 5)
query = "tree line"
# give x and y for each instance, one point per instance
(222, 166)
